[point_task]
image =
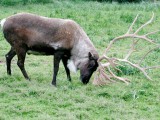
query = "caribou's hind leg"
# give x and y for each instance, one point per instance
(21, 54)
(64, 60)
(9, 56)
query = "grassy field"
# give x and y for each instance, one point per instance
(39, 100)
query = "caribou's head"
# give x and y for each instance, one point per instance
(88, 68)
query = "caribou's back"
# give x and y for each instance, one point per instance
(40, 32)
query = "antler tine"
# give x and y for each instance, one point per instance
(130, 28)
(136, 66)
(128, 36)
(101, 78)
(150, 21)
(152, 67)
(131, 49)
(113, 41)
(147, 54)
(145, 38)
(119, 78)
(152, 33)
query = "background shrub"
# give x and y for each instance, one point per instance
(121, 1)
(14, 2)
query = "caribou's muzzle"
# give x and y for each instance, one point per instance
(85, 78)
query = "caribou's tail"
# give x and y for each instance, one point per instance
(2, 22)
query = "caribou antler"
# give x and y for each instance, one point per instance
(101, 77)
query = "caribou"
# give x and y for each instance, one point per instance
(62, 38)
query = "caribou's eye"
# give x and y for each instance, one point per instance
(91, 65)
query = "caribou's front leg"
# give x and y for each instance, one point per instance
(57, 58)
(64, 60)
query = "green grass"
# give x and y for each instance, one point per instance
(38, 99)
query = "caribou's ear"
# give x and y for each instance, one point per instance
(90, 56)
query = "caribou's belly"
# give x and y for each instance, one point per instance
(41, 50)
(35, 52)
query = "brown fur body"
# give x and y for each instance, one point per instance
(40, 33)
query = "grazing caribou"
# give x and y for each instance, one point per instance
(63, 38)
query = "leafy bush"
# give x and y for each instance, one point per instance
(119, 1)
(122, 1)
(9, 2)
(14, 2)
